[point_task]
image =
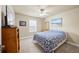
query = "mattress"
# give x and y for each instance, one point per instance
(49, 40)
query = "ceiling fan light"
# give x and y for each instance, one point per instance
(43, 14)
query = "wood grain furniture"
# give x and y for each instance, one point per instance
(10, 40)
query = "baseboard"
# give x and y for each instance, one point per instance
(74, 44)
(26, 37)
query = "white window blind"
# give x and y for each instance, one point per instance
(55, 24)
(32, 25)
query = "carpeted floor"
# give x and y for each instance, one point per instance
(27, 46)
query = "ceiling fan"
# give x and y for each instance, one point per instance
(43, 12)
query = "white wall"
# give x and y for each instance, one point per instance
(70, 23)
(24, 30)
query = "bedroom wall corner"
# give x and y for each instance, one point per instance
(70, 23)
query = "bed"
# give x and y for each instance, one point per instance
(50, 40)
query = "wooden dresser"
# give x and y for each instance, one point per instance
(10, 40)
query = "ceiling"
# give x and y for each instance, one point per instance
(34, 10)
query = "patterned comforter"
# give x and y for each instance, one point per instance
(49, 40)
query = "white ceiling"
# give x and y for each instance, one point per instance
(34, 10)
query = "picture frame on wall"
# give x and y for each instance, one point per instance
(22, 23)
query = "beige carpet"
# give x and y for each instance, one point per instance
(27, 46)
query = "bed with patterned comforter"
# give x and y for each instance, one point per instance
(49, 40)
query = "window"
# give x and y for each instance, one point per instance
(55, 24)
(10, 16)
(10, 21)
(32, 25)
